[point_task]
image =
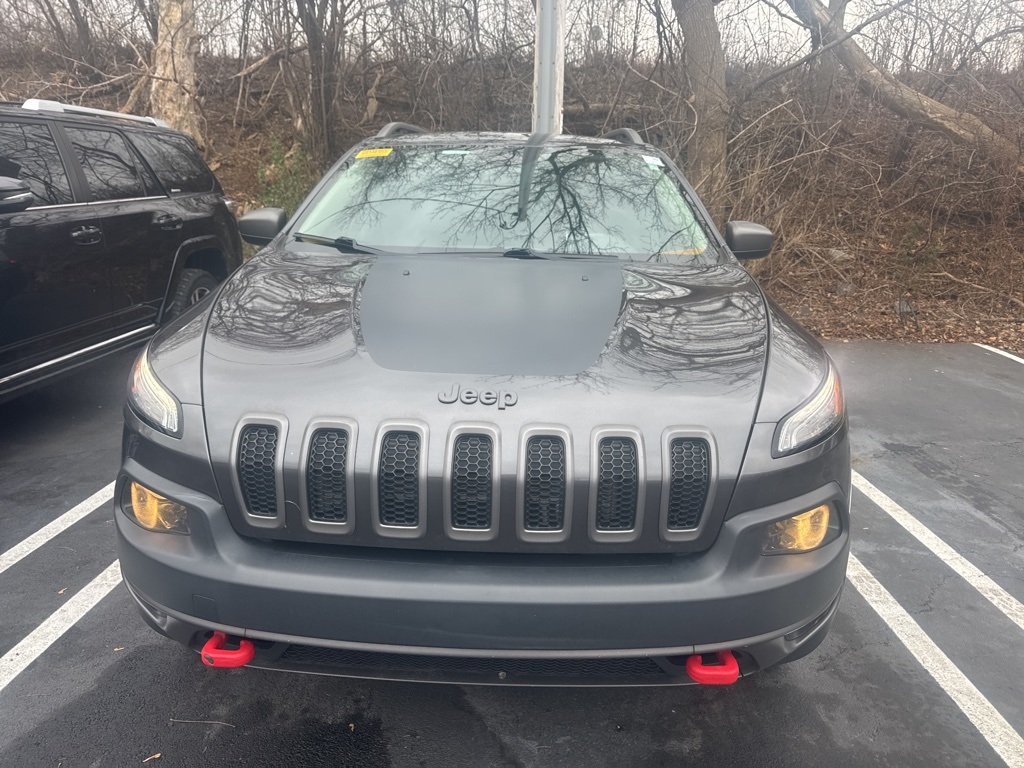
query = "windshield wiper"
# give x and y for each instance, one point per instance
(343, 244)
(523, 253)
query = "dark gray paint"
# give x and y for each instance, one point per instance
(261, 226)
(748, 240)
(304, 334)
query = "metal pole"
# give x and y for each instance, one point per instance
(549, 66)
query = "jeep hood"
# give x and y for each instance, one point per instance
(580, 342)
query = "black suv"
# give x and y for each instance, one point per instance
(110, 224)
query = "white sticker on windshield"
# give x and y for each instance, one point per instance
(652, 160)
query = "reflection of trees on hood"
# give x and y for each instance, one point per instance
(288, 301)
(689, 325)
(580, 200)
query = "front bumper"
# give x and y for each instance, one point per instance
(467, 617)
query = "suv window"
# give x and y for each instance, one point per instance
(175, 162)
(568, 200)
(107, 162)
(28, 152)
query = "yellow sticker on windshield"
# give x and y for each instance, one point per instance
(379, 152)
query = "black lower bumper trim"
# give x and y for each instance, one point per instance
(479, 669)
(619, 668)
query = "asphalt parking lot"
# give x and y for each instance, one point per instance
(923, 665)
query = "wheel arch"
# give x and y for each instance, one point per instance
(195, 253)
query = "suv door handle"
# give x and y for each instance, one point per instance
(86, 235)
(167, 221)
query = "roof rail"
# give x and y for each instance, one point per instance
(625, 135)
(43, 105)
(398, 129)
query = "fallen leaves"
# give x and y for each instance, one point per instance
(157, 756)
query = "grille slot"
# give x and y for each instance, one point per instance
(257, 468)
(472, 477)
(689, 482)
(618, 484)
(326, 476)
(545, 484)
(398, 481)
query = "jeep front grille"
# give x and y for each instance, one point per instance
(544, 484)
(326, 476)
(398, 482)
(472, 482)
(689, 483)
(257, 468)
(618, 484)
(471, 488)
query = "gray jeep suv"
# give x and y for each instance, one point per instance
(490, 408)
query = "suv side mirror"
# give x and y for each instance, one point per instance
(15, 195)
(748, 240)
(262, 225)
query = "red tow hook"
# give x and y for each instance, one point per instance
(725, 672)
(214, 653)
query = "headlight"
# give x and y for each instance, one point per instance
(153, 402)
(801, 533)
(814, 419)
(155, 512)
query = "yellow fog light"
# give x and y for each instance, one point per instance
(156, 513)
(799, 533)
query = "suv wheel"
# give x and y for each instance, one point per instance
(194, 285)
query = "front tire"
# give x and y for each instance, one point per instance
(194, 285)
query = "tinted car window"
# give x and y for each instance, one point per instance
(108, 164)
(572, 201)
(175, 161)
(28, 152)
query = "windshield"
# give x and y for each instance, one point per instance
(571, 201)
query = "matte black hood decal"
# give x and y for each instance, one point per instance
(489, 316)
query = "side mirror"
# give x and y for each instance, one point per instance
(261, 226)
(15, 195)
(748, 240)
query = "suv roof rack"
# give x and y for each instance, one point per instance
(398, 129)
(43, 105)
(625, 135)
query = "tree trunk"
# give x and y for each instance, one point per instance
(877, 84)
(704, 62)
(173, 97)
(323, 23)
(825, 68)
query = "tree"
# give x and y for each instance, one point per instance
(704, 61)
(173, 74)
(883, 87)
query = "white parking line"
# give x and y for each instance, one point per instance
(47, 532)
(1010, 606)
(993, 726)
(59, 622)
(998, 351)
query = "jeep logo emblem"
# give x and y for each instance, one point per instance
(501, 399)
